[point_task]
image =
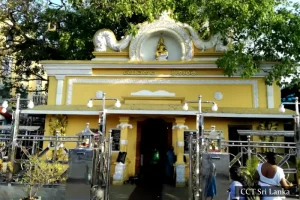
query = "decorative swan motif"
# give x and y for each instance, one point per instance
(106, 38)
(215, 40)
(122, 126)
(200, 44)
(180, 127)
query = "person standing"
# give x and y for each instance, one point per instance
(169, 164)
(211, 180)
(269, 174)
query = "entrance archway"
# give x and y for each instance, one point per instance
(154, 134)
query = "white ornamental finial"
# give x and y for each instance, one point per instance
(180, 127)
(165, 15)
(124, 125)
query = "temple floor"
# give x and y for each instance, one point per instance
(143, 191)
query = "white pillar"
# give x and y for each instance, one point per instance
(59, 88)
(270, 96)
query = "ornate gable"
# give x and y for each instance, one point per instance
(180, 42)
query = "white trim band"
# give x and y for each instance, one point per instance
(180, 144)
(270, 96)
(123, 142)
(160, 112)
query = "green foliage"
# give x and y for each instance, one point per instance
(58, 123)
(38, 173)
(249, 173)
(43, 30)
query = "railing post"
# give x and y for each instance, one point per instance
(14, 134)
(55, 146)
(191, 166)
(106, 196)
(249, 147)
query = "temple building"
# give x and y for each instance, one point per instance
(153, 74)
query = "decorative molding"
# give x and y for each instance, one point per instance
(180, 143)
(180, 82)
(270, 96)
(180, 127)
(161, 93)
(124, 125)
(123, 142)
(166, 25)
(159, 112)
(59, 89)
(180, 174)
(85, 68)
(218, 96)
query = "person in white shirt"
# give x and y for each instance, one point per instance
(271, 176)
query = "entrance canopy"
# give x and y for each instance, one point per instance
(151, 109)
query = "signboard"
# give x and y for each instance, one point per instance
(116, 137)
(186, 138)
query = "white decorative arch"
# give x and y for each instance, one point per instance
(166, 25)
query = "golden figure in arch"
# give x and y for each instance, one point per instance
(161, 50)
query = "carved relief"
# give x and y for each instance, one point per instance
(163, 24)
(183, 73)
(139, 72)
(106, 38)
(215, 41)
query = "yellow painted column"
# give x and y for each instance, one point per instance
(124, 125)
(121, 172)
(179, 128)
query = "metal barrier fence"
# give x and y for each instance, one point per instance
(55, 151)
(285, 151)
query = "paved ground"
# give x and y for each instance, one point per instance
(126, 192)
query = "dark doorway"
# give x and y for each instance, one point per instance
(234, 136)
(154, 138)
(152, 134)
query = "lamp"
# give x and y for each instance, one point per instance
(5, 104)
(4, 110)
(214, 107)
(118, 103)
(30, 104)
(185, 106)
(281, 108)
(90, 104)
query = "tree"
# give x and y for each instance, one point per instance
(258, 31)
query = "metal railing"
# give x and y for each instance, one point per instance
(285, 151)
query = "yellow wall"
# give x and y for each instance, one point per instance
(77, 123)
(241, 93)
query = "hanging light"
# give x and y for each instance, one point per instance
(30, 104)
(90, 104)
(281, 108)
(214, 107)
(4, 110)
(185, 106)
(118, 104)
(5, 104)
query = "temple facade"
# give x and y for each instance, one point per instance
(153, 74)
